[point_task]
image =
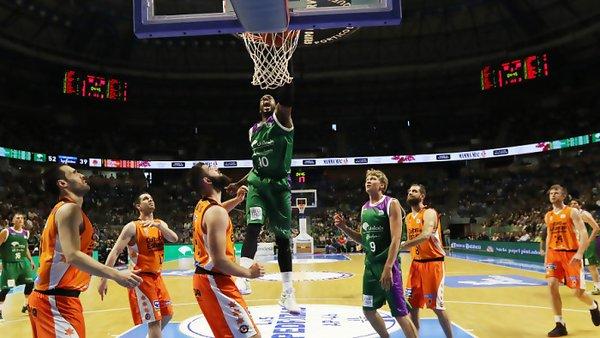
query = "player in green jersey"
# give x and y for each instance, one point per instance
(268, 201)
(17, 264)
(380, 234)
(590, 256)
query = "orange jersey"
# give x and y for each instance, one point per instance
(54, 271)
(147, 251)
(561, 230)
(431, 248)
(201, 255)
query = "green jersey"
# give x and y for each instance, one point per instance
(14, 249)
(375, 229)
(271, 145)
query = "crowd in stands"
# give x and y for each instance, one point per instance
(507, 201)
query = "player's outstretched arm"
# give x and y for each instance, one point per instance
(285, 99)
(240, 195)
(69, 220)
(216, 220)
(340, 222)
(126, 235)
(232, 188)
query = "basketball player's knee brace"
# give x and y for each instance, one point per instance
(28, 289)
(284, 253)
(251, 240)
(3, 294)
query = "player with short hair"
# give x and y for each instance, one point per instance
(380, 234)
(269, 192)
(66, 264)
(426, 277)
(17, 264)
(214, 287)
(566, 241)
(144, 238)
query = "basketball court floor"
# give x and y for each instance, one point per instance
(483, 298)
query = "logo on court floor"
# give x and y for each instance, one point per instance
(315, 320)
(308, 276)
(491, 281)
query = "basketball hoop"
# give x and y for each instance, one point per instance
(301, 205)
(271, 53)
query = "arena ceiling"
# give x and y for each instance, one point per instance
(435, 34)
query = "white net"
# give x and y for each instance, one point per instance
(271, 53)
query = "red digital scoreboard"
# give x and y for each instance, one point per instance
(514, 72)
(94, 86)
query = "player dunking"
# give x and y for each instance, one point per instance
(66, 247)
(269, 195)
(564, 252)
(380, 235)
(145, 240)
(17, 264)
(590, 256)
(214, 287)
(426, 276)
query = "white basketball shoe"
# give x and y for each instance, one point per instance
(288, 301)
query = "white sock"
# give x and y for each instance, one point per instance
(286, 278)
(246, 262)
(559, 319)
(594, 306)
(597, 285)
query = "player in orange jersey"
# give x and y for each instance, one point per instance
(145, 240)
(214, 285)
(65, 264)
(426, 275)
(566, 241)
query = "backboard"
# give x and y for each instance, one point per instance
(308, 196)
(172, 18)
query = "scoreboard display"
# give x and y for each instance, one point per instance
(514, 72)
(94, 86)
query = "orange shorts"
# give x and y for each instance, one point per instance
(150, 301)
(426, 285)
(223, 306)
(55, 316)
(557, 266)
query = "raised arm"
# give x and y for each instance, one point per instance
(232, 188)
(69, 220)
(340, 222)
(283, 111)
(239, 198)
(3, 235)
(430, 219)
(216, 220)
